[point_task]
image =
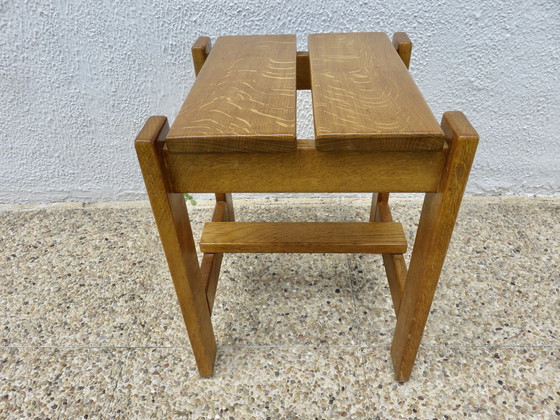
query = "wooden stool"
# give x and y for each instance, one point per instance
(236, 132)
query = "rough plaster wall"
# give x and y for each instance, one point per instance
(78, 78)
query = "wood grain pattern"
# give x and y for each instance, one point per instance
(435, 228)
(306, 170)
(243, 100)
(175, 232)
(303, 237)
(364, 98)
(210, 272)
(403, 45)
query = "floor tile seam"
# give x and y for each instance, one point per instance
(186, 347)
(289, 346)
(359, 333)
(317, 347)
(99, 347)
(489, 346)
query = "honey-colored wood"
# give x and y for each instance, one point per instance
(403, 45)
(175, 232)
(210, 273)
(373, 208)
(303, 74)
(228, 199)
(200, 50)
(395, 265)
(306, 170)
(211, 263)
(303, 237)
(243, 99)
(435, 228)
(364, 98)
(377, 198)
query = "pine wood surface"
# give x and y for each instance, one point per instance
(244, 98)
(364, 97)
(303, 237)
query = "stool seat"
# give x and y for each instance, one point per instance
(244, 99)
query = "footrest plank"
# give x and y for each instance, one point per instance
(273, 237)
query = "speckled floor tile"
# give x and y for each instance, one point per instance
(90, 324)
(295, 382)
(78, 311)
(495, 287)
(496, 307)
(57, 383)
(272, 299)
(475, 382)
(286, 211)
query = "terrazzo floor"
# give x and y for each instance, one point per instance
(90, 326)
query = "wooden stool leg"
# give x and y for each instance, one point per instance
(200, 50)
(172, 219)
(376, 199)
(212, 263)
(395, 265)
(230, 217)
(435, 228)
(403, 45)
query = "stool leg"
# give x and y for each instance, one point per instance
(403, 45)
(172, 219)
(377, 198)
(200, 50)
(229, 205)
(212, 263)
(395, 265)
(435, 228)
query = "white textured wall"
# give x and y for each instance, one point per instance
(78, 78)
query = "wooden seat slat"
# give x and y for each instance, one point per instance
(243, 100)
(364, 97)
